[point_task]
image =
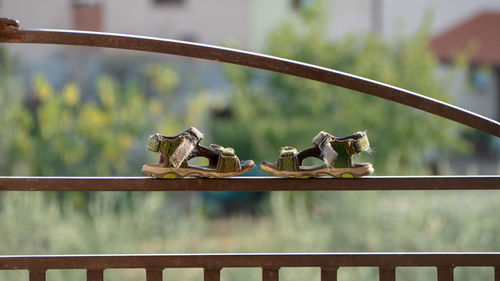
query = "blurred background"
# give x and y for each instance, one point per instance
(78, 111)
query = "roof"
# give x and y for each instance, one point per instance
(478, 36)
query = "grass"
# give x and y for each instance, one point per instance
(296, 222)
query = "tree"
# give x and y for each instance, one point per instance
(270, 110)
(15, 145)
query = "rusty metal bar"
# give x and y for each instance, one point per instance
(154, 274)
(96, 275)
(273, 261)
(329, 273)
(211, 274)
(445, 273)
(247, 183)
(37, 275)
(387, 273)
(270, 274)
(11, 33)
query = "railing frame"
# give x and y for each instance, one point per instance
(248, 183)
(270, 264)
(10, 32)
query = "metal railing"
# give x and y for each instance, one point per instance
(270, 264)
(247, 183)
(10, 32)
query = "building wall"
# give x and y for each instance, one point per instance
(206, 21)
(265, 16)
(349, 17)
(407, 16)
(467, 95)
(37, 14)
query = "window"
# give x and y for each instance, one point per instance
(298, 4)
(480, 79)
(167, 2)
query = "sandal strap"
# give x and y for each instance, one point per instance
(228, 161)
(189, 141)
(355, 143)
(177, 149)
(288, 160)
(323, 141)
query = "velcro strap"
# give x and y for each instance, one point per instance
(320, 137)
(362, 144)
(323, 142)
(195, 133)
(190, 138)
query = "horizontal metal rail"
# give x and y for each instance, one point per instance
(247, 183)
(10, 32)
(269, 263)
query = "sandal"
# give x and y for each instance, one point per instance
(176, 151)
(336, 152)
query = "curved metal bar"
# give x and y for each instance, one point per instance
(10, 33)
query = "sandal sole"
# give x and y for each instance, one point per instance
(172, 173)
(364, 170)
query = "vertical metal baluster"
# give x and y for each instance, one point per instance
(497, 273)
(95, 274)
(270, 274)
(445, 273)
(387, 273)
(329, 273)
(211, 274)
(37, 275)
(154, 274)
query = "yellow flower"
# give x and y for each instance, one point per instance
(42, 88)
(71, 94)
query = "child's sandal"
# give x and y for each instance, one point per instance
(176, 151)
(336, 152)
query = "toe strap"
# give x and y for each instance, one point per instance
(288, 160)
(228, 161)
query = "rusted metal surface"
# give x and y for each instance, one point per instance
(443, 261)
(96, 275)
(6, 24)
(154, 274)
(211, 274)
(247, 183)
(270, 274)
(329, 273)
(37, 275)
(14, 34)
(445, 273)
(387, 274)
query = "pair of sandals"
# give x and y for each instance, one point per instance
(336, 153)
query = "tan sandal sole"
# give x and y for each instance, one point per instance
(172, 173)
(364, 169)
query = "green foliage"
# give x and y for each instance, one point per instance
(67, 132)
(272, 110)
(70, 132)
(340, 222)
(14, 120)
